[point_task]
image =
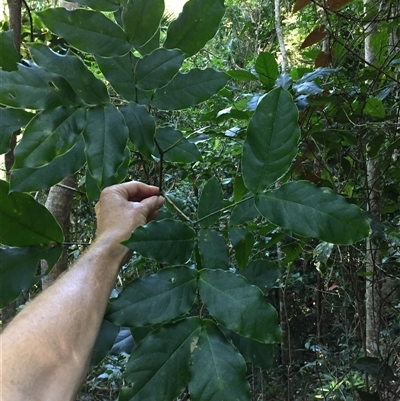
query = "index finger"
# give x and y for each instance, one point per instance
(135, 191)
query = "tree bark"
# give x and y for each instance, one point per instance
(59, 203)
(279, 34)
(374, 193)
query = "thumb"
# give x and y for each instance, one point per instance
(151, 206)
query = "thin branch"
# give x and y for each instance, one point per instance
(71, 189)
(30, 19)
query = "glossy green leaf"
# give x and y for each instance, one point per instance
(158, 368)
(195, 26)
(18, 267)
(105, 137)
(242, 241)
(271, 142)
(244, 212)
(87, 30)
(92, 188)
(119, 71)
(374, 107)
(218, 371)
(104, 342)
(213, 250)
(25, 222)
(211, 201)
(99, 5)
(34, 179)
(73, 70)
(242, 75)
(141, 20)
(261, 273)
(167, 241)
(267, 68)
(239, 306)
(35, 88)
(155, 299)
(189, 89)
(122, 171)
(11, 120)
(175, 147)
(314, 212)
(9, 56)
(50, 134)
(259, 354)
(151, 45)
(239, 189)
(158, 68)
(141, 126)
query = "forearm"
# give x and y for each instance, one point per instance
(55, 334)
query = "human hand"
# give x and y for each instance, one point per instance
(124, 207)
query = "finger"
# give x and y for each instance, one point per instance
(151, 205)
(136, 191)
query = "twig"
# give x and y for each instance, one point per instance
(176, 208)
(71, 189)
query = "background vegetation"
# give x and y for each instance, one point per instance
(267, 127)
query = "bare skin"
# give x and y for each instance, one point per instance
(46, 349)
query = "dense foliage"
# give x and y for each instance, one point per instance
(262, 173)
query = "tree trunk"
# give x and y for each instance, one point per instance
(59, 203)
(374, 190)
(279, 34)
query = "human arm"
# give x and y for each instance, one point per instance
(46, 349)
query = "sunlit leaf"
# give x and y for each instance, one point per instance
(374, 108)
(314, 212)
(87, 30)
(167, 241)
(154, 299)
(195, 26)
(267, 68)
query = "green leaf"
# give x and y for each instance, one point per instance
(141, 20)
(104, 342)
(374, 107)
(105, 137)
(211, 201)
(167, 241)
(25, 222)
(18, 266)
(242, 75)
(189, 89)
(218, 371)
(213, 250)
(244, 212)
(261, 273)
(141, 126)
(155, 299)
(151, 45)
(239, 189)
(9, 56)
(267, 67)
(34, 179)
(195, 26)
(238, 306)
(158, 68)
(89, 31)
(158, 368)
(259, 354)
(271, 143)
(92, 189)
(11, 120)
(175, 147)
(242, 241)
(99, 5)
(314, 212)
(50, 134)
(35, 88)
(74, 71)
(119, 71)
